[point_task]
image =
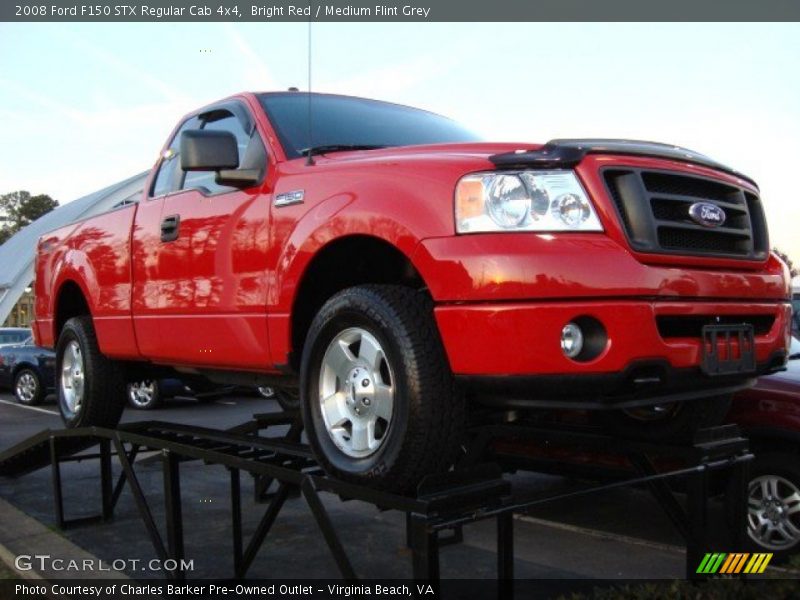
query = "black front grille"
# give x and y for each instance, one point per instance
(654, 209)
(673, 326)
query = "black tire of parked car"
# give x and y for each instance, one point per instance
(774, 464)
(28, 387)
(667, 423)
(289, 399)
(103, 395)
(427, 417)
(144, 394)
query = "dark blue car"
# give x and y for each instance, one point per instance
(28, 370)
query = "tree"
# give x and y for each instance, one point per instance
(785, 258)
(19, 209)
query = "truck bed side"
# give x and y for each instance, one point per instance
(91, 259)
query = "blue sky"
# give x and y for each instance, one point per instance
(85, 105)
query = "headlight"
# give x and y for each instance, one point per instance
(523, 201)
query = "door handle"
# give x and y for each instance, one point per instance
(169, 228)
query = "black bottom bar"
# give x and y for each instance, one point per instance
(471, 493)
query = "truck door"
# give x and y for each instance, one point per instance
(208, 278)
(146, 245)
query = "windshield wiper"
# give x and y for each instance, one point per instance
(338, 148)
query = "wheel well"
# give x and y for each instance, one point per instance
(22, 366)
(761, 443)
(70, 303)
(343, 263)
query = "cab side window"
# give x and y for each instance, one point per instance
(168, 178)
(252, 154)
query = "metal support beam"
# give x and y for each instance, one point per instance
(273, 509)
(263, 483)
(55, 470)
(236, 519)
(740, 476)
(311, 495)
(697, 520)
(424, 549)
(141, 502)
(120, 485)
(173, 509)
(505, 552)
(662, 492)
(106, 477)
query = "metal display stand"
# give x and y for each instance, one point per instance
(473, 492)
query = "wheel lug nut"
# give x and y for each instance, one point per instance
(365, 383)
(366, 401)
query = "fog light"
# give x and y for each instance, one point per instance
(571, 340)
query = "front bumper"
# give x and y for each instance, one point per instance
(524, 338)
(511, 353)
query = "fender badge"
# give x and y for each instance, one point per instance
(289, 198)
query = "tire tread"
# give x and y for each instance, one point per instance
(436, 408)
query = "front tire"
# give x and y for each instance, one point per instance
(28, 387)
(91, 388)
(379, 401)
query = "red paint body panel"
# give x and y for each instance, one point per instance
(95, 254)
(523, 266)
(221, 296)
(524, 338)
(201, 299)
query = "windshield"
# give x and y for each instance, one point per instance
(345, 121)
(14, 336)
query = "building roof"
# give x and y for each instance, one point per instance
(18, 252)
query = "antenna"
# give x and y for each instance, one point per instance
(310, 159)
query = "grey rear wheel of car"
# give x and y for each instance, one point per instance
(91, 388)
(667, 422)
(379, 402)
(28, 387)
(773, 505)
(144, 395)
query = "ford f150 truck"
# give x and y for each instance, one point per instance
(394, 270)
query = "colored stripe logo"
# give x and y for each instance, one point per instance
(735, 563)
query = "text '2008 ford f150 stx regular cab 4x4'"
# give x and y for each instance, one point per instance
(396, 270)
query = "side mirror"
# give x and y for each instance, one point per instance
(208, 150)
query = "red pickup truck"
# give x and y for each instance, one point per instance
(394, 270)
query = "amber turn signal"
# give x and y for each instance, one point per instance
(469, 198)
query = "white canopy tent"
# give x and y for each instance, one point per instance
(17, 254)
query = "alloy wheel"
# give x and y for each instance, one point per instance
(141, 393)
(72, 378)
(27, 386)
(356, 392)
(773, 512)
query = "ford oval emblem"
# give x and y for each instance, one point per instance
(707, 214)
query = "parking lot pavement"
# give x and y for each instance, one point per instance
(621, 533)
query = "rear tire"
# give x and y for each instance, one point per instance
(91, 388)
(28, 387)
(379, 402)
(667, 422)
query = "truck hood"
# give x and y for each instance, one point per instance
(471, 150)
(562, 153)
